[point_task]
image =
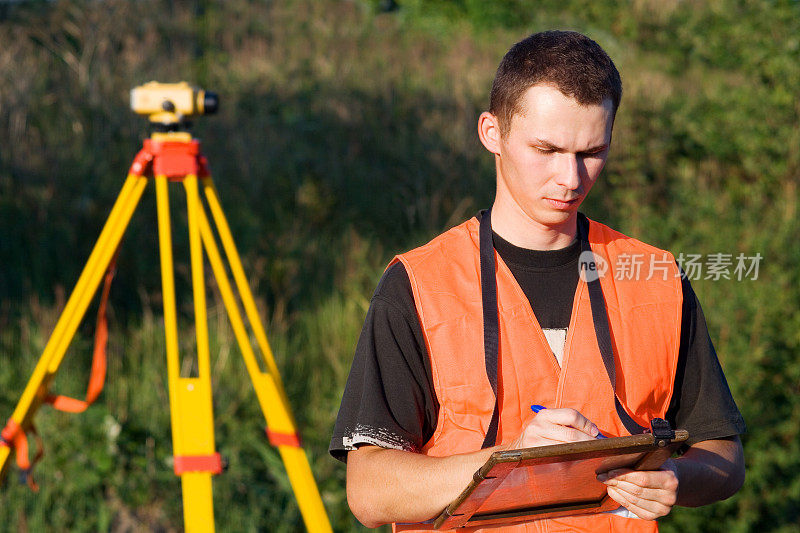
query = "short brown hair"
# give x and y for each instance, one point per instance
(568, 60)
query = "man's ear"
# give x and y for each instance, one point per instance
(489, 132)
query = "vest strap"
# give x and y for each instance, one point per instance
(491, 321)
(602, 330)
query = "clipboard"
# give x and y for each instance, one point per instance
(552, 481)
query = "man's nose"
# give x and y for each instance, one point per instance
(569, 171)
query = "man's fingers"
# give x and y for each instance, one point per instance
(556, 426)
(542, 432)
(632, 481)
(562, 434)
(637, 492)
(644, 509)
(649, 494)
(569, 418)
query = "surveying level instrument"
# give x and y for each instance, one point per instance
(169, 105)
(171, 155)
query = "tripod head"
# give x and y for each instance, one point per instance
(170, 105)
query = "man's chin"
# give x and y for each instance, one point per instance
(555, 217)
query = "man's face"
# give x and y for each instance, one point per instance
(553, 153)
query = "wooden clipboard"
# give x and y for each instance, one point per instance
(551, 481)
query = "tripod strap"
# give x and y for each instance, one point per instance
(97, 377)
(15, 437)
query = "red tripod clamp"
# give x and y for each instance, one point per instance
(173, 159)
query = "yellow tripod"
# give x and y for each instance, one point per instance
(175, 157)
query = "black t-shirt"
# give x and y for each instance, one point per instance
(390, 401)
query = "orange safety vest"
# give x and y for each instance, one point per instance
(644, 317)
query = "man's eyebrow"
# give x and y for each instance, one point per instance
(550, 146)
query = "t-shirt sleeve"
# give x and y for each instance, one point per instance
(702, 402)
(388, 399)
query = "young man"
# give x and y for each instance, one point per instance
(421, 412)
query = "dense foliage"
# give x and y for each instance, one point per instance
(346, 134)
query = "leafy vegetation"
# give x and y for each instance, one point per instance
(347, 134)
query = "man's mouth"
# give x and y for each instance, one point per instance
(562, 204)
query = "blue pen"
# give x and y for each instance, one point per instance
(536, 408)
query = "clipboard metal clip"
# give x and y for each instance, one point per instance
(662, 432)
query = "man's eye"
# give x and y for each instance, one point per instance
(544, 150)
(594, 153)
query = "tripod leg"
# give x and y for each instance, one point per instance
(268, 387)
(241, 282)
(79, 300)
(190, 398)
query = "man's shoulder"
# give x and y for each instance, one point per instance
(443, 245)
(610, 238)
(394, 283)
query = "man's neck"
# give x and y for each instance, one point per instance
(516, 227)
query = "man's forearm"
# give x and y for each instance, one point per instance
(710, 471)
(385, 485)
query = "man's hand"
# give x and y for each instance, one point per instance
(709, 471)
(647, 494)
(554, 426)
